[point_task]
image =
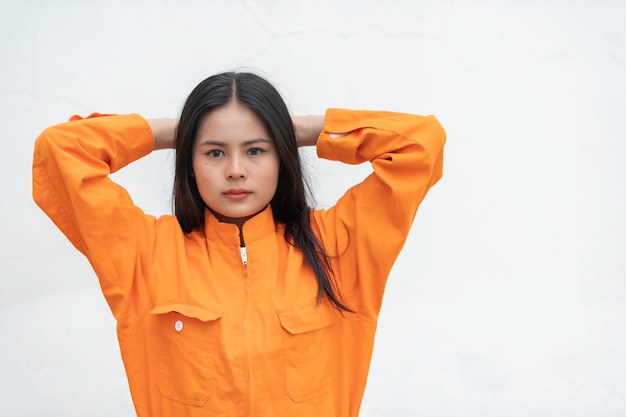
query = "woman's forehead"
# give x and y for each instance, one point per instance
(233, 123)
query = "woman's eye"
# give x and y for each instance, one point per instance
(255, 151)
(215, 153)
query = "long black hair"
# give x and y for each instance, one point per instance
(289, 204)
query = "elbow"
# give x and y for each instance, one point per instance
(438, 139)
(44, 144)
(432, 139)
(437, 131)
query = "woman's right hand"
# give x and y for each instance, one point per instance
(164, 132)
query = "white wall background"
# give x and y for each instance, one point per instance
(510, 296)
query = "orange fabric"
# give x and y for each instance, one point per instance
(200, 333)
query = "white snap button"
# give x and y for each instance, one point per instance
(178, 326)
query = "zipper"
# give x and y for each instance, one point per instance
(244, 255)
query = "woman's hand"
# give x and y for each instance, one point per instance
(164, 132)
(308, 129)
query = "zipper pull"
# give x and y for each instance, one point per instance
(244, 255)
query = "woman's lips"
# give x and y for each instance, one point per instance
(237, 194)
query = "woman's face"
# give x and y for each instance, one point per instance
(235, 163)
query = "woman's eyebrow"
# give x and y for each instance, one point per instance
(256, 140)
(210, 142)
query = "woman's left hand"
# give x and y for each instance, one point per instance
(308, 129)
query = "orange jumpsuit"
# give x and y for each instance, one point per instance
(202, 334)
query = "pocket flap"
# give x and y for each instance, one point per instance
(201, 313)
(306, 318)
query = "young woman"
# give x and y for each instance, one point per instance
(247, 302)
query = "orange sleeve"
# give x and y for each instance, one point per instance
(71, 166)
(368, 226)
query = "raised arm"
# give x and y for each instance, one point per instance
(71, 166)
(368, 226)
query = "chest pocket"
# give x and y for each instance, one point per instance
(307, 342)
(187, 337)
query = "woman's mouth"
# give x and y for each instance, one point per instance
(237, 194)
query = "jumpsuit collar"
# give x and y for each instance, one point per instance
(254, 228)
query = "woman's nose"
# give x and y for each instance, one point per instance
(235, 168)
